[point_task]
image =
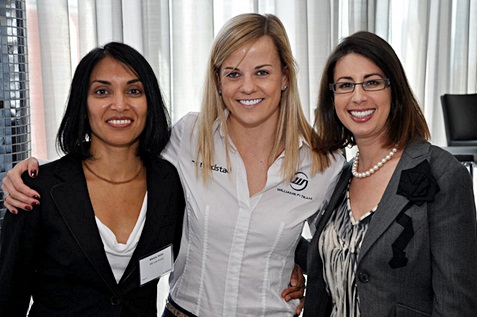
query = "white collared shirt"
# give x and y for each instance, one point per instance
(237, 252)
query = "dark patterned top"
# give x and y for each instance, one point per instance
(339, 246)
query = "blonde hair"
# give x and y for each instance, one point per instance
(242, 30)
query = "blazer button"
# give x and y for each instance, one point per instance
(115, 300)
(363, 277)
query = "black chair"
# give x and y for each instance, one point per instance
(460, 121)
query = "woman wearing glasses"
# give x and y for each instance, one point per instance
(398, 237)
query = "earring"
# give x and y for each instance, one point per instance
(220, 92)
(284, 87)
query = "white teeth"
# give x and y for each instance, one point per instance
(361, 114)
(119, 121)
(250, 102)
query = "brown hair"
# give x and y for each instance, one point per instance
(406, 120)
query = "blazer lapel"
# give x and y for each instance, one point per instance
(156, 211)
(74, 205)
(335, 198)
(391, 204)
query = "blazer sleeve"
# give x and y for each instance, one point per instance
(179, 208)
(20, 242)
(453, 239)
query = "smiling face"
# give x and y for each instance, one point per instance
(251, 80)
(364, 113)
(117, 105)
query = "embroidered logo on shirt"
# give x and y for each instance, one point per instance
(215, 168)
(300, 182)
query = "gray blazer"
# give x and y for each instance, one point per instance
(435, 272)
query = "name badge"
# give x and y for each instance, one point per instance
(156, 265)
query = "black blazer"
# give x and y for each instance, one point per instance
(55, 253)
(439, 277)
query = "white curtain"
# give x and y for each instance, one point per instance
(436, 41)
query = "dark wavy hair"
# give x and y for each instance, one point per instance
(406, 120)
(75, 131)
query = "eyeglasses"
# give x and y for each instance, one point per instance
(346, 87)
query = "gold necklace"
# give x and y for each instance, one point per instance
(110, 181)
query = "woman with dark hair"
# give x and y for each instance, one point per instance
(110, 209)
(398, 237)
(75, 127)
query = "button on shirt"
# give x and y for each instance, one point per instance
(237, 252)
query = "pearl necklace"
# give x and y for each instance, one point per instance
(354, 169)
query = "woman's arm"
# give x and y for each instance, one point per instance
(16, 194)
(296, 289)
(453, 239)
(19, 246)
(172, 149)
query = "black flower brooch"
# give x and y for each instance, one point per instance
(418, 185)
